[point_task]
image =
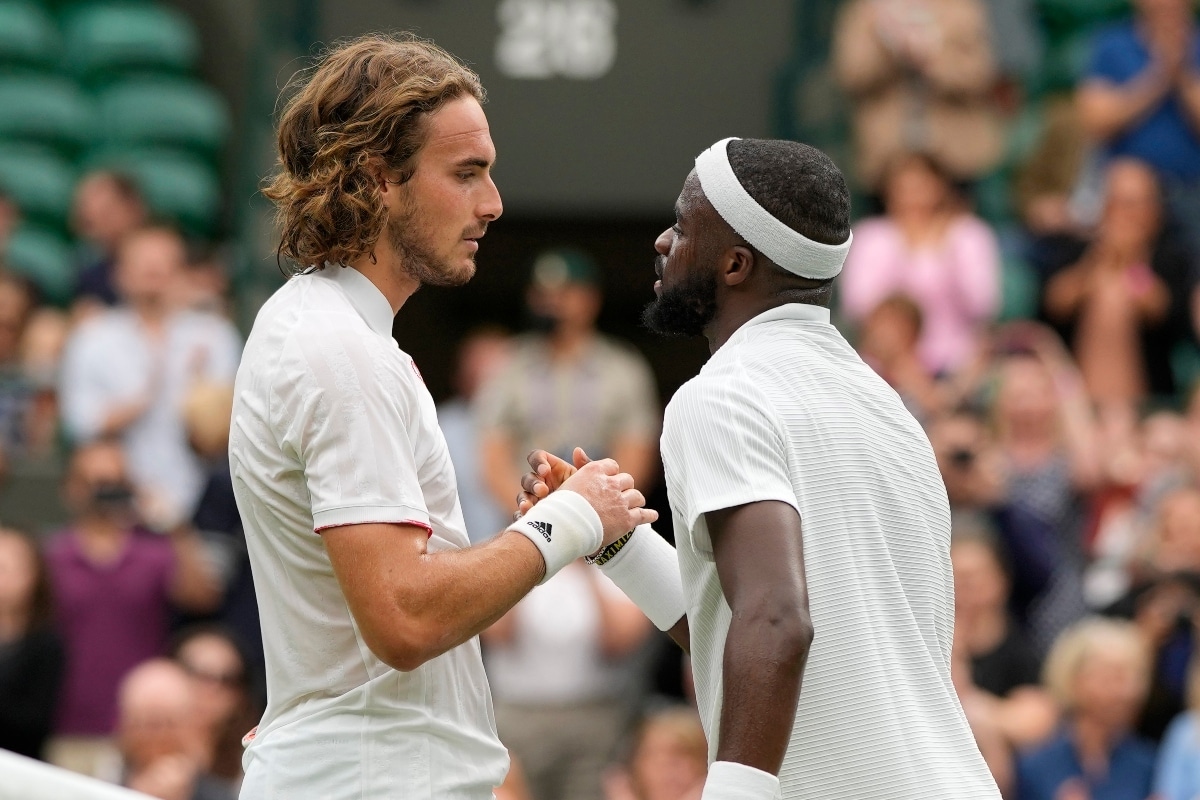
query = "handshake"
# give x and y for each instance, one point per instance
(574, 510)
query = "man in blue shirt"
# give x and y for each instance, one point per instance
(1141, 98)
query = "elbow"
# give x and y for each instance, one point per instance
(786, 628)
(406, 651)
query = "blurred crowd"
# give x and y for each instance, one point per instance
(1049, 348)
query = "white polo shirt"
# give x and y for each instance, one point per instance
(332, 425)
(786, 410)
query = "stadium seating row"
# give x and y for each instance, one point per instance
(108, 84)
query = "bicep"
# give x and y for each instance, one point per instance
(370, 561)
(759, 552)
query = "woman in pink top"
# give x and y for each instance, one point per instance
(927, 248)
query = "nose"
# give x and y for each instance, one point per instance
(491, 207)
(662, 244)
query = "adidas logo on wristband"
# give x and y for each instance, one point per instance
(541, 527)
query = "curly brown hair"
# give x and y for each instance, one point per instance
(365, 105)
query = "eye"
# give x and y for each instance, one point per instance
(466, 176)
(676, 229)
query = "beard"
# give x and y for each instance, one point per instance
(417, 256)
(685, 309)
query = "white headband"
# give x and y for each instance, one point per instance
(787, 248)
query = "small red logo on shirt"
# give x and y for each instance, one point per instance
(414, 366)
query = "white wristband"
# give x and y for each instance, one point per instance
(564, 526)
(646, 569)
(729, 780)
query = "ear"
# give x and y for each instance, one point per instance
(737, 264)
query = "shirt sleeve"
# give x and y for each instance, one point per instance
(722, 447)
(348, 417)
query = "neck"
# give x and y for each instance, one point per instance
(567, 343)
(732, 316)
(385, 269)
(101, 538)
(1094, 741)
(150, 312)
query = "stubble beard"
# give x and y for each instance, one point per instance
(685, 309)
(417, 257)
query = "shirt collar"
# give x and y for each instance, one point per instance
(798, 312)
(365, 296)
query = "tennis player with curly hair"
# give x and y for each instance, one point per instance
(371, 597)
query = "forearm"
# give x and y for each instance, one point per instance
(451, 596)
(1107, 110)
(764, 659)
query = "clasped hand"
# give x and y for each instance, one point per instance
(610, 492)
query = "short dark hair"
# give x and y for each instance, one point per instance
(797, 184)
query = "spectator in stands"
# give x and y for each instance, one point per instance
(920, 74)
(17, 391)
(1098, 672)
(568, 386)
(1164, 603)
(108, 207)
(1178, 774)
(207, 409)
(1140, 98)
(31, 654)
(1003, 667)
(926, 247)
(127, 371)
(213, 659)
(888, 339)
(559, 668)
(482, 355)
(971, 466)
(42, 346)
(1125, 301)
(1046, 438)
(668, 760)
(114, 584)
(205, 285)
(161, 741)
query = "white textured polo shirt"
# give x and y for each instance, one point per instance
(332, 425)
(786, 410)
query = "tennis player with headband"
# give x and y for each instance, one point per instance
(812, 582)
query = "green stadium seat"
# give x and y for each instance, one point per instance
(44, 109)
(103, 39)
(1065, 62)
(177, 185)
(163, 111)
(39, 180)
(45, 258)
(28, 35)
(1062, 19)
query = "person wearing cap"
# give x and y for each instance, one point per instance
(567, 385)
(562, 663)
(812, 584)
